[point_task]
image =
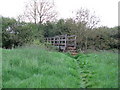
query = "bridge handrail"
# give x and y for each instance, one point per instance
(62, 40)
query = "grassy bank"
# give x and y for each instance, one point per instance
(35, 67)
(99, 70)
(0, 68)
(38, 68)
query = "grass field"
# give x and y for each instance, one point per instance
(0, 68)
(34, 67)
(99, 70)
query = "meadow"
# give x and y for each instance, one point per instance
(35, 67)
(0, 68)
(99, 70)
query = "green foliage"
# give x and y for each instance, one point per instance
(100, 38)
(7, 23)
(50, 29)
(16, 33)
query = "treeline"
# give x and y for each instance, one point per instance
(39, 21)
(16, 33)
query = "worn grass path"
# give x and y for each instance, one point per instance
(34, 67)
(99, 70)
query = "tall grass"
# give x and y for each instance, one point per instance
(34, 67)
(0, 68)
(99, 70)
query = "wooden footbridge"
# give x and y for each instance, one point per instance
(64, 42)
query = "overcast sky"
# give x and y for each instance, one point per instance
(106, 10)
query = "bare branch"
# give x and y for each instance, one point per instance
(40, 11)
(83, 16)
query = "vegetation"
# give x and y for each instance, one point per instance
(15, 33)
(99, 70)
(0, 68)
(30, 62)
(37, 68)
(34, 67)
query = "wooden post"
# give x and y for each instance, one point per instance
(59, 41)
(75, 41)
(65, 41)
(54, 40)
(47, 40)
(50, 40)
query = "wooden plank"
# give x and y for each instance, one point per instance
(70, 44)
(57, 40)
(62, 36)
(59, 44)
(71, 40)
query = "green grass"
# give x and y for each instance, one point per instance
(0, 68)
(99, 70)
(38, 68)
(34, 67)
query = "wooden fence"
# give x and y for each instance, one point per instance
(63, 41)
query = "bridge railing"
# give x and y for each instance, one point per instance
(63, 40)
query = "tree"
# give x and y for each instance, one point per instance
(85, 22)
(85, 17)
(16, 33)
(40, 11)
(7, 30)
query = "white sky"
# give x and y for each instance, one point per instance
(106, 10)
